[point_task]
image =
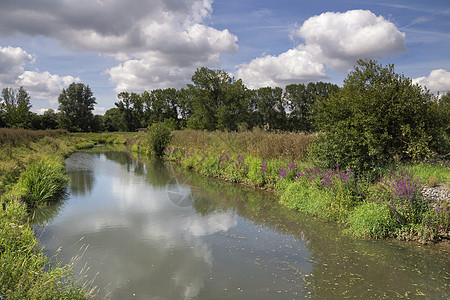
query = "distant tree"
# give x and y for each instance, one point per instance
(130, 113)
(161, 105)
(301, 99)
(270, 107)
(76, 104)
(16, 107)
(377, 118)
(113, 120)
(215, 100)
(49, 119)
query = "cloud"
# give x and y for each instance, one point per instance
(340, 39)
(437, 81)
(163, 40)
(42, 85)
(12, 63)
(290, 67)
(336, 40)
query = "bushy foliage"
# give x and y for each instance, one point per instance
(378, 117)
(158, 138)
(76, 104)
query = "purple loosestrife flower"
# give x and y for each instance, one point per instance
(263, 167)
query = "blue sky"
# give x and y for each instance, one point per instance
(137, 45)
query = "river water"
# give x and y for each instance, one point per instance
(149, 230)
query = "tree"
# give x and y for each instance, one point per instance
(76, 104)
(16, 107)
(113, 120)
(270, 107)
(301, 99)
(377, 118)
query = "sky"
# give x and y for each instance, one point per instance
(137, 45)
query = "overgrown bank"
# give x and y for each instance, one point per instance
(31, 175)
(391, 206)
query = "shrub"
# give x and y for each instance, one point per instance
(158, 138)
(377, 118)
(371, 220)
(42, 182)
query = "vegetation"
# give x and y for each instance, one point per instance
(32, 174)
(158, 138)
(379, 118)
(76, 104)
(379, 139)
(42, 182)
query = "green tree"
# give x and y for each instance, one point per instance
(301, 99)
(125, 106)
(269, 106)
(215, 100)
(161, 105)
(378, 117)
(76, 104)
(16, 107)
(113, 120)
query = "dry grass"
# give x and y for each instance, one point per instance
(257, 143)
(23, 137)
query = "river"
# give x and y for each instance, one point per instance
(150, 230)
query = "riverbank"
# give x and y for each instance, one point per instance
(31, 175)
(407, 202)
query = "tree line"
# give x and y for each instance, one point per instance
(213, 101)
(216, 101)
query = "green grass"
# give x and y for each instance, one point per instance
(432, 174)
(26, 273)
(32, 174)
(42, 182)
(371, 220)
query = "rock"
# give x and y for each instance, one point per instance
(436, 195)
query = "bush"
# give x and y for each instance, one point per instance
(371, 220)
(158, 138)
(378, 117)
(42, 182)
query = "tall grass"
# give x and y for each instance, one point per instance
(25, 272)
(31, 173)
(256, 143)
(42, 182)
(23, 137)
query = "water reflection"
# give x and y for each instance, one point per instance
(156, 231)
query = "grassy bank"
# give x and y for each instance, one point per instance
(391, 206)
(32, 175)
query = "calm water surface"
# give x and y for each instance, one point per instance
(152, 231)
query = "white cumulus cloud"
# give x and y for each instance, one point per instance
(12, 64)
(335, 40)
(44, 85)
(437, 81)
